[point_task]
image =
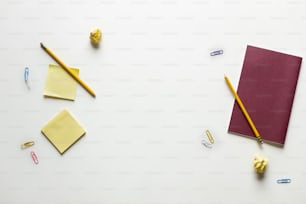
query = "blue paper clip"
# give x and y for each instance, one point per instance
(26, 74)
(217, 52)
(284, 180)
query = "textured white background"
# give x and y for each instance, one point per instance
(157, 91)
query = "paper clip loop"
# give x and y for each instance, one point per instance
(206, 144)
(210, 137)
(284, 180)
(34, 157)
(217, 52)
(27, 144)
(26, 74)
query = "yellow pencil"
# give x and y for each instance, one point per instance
(244, 111)
(76, 77)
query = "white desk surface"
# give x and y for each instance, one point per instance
(158, 89)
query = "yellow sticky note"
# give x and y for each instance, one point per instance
(63, 131)
(59, 84)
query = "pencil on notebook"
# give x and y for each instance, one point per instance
(65, 67)
(243, 109)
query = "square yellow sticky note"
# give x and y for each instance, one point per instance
(63, 131)
(59, 84)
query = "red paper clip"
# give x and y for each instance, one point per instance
(34, 157)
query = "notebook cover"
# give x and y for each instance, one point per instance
(266, 87)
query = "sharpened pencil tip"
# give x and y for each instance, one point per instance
(42, 45)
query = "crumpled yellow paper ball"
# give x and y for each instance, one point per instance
(260, 164)
(95, 35)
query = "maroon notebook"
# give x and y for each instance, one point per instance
(266, 87)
